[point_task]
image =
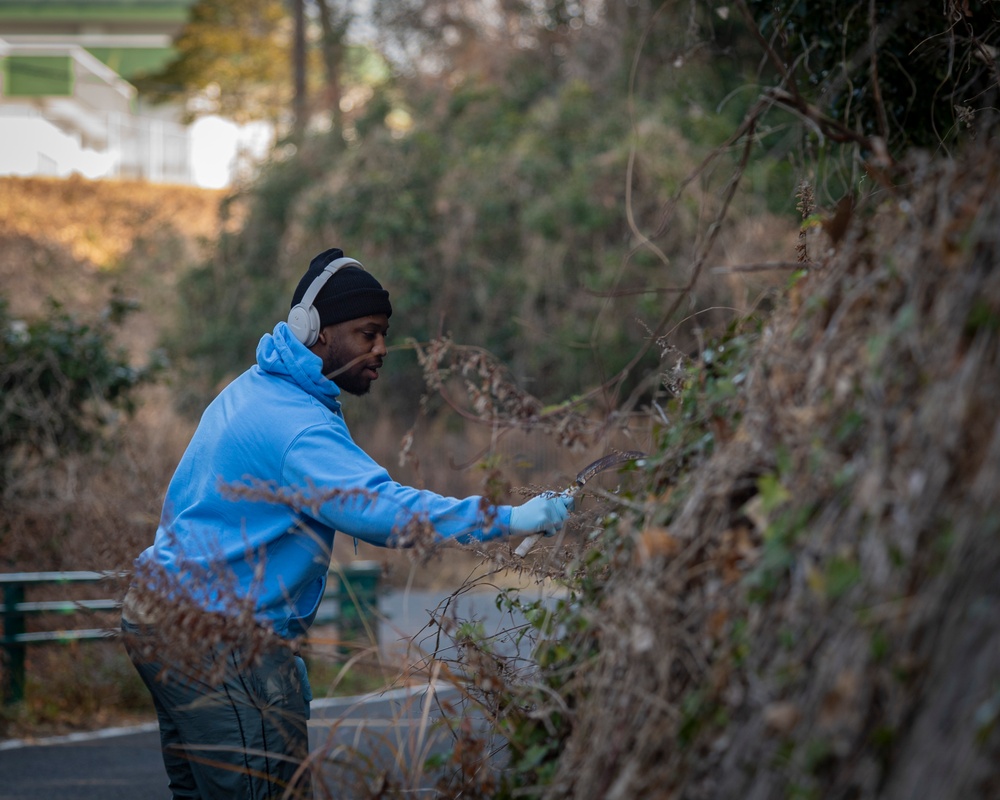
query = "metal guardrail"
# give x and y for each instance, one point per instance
(15, 608)
(351, 601)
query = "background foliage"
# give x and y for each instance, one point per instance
(549, 197)
(911, 73)
(232, 59)
(523, 208)
(64, 384)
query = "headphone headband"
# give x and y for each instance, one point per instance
(303, 319)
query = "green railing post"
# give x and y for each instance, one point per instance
(13, 626)
(357, 598)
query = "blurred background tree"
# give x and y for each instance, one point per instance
(258, 60)
(564, 183)
(233, 59)
(909, 73)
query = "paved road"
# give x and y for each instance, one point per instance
(395, 729)
(126, 766)
(392, 729)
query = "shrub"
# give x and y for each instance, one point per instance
(64, 386)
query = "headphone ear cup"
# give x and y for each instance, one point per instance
(304, 324)
(303, 319)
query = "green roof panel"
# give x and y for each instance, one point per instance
(130, 62)
(92, 10)
(38, 76)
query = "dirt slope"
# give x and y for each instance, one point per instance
(73, 239)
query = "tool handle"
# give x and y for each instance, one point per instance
(526, 544)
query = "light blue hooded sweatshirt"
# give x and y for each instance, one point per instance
(279, 426)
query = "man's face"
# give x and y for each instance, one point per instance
(353, 352)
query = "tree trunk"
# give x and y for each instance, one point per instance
(300, 108)
(334, 25)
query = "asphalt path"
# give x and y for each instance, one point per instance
(394, 731)
(122, 764)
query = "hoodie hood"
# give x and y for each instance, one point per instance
(280, 354)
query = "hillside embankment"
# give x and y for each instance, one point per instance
(73, 239)
(74, 243)
(819, 615)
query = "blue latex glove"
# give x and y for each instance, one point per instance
(307, 693)
(545, 513)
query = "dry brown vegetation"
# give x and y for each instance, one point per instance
(73, 239)
(819, 618)
(74, 242)
(99, 223)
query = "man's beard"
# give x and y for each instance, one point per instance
(352, 379)
(353, 384)
(349, 369)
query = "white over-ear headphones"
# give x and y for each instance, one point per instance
(303, 319)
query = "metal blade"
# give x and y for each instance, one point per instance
(607, 462)
(584, 475)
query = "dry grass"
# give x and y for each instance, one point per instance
(98, 223)
(74, 240)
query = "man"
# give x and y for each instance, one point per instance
(239, 562)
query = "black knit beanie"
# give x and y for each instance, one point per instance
(349, 294)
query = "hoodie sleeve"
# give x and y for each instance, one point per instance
(345, 489)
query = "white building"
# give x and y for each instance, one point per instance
(66, 105)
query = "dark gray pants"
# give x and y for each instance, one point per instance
(241, 737)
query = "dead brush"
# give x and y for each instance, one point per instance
(484, 668)
(191, 643)
(492, 397)
(800, 632)
(414, 533)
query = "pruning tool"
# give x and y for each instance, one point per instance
(584, 475)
